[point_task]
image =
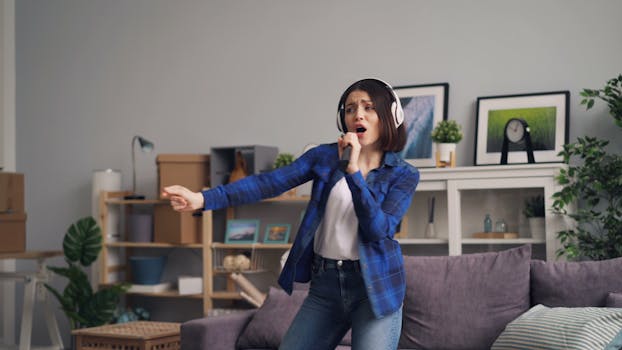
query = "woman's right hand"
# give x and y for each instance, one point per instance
(182, 199)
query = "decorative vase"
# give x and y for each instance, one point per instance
(445, 150)
(141, 228)
(537, 227)
(239, 171)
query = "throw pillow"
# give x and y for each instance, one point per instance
(574, 284)
(463, 302)
(614, 299)
(272, 319)
(569, 328)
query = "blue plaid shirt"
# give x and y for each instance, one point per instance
(380, 202)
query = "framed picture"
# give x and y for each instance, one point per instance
(242, 231)
(546, 115)
(424, 106)
(277, 233)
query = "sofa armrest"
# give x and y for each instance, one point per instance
(214, 333)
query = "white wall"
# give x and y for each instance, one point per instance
(190, 75)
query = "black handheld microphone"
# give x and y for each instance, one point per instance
(345, 158)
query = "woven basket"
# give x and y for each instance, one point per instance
(140, 335)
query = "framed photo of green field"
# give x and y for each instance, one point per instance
(546, 115)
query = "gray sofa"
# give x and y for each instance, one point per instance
(452, 302)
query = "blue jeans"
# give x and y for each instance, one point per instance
(337, 301)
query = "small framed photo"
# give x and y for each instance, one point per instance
(277, 233)
(424, 106)
(242, 231)
(546, 115)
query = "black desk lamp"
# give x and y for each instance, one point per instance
(145, 146)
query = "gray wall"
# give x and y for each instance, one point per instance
(190, 75)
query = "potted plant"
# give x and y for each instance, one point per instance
(446, 134)
(283, 159)
(83, 306)
(594, 184)
(534, 211)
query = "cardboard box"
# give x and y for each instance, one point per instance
(11, 192)
(189, 285)
(12, 232)
(189, 170)
(171, 226)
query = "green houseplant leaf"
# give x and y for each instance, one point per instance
(83, 306)
(83, 241)
(594, 182)
(283, 159)
(447, 131)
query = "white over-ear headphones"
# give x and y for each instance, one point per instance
(396, 105)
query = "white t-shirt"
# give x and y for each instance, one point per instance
(337, 235)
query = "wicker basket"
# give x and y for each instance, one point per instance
(140, 335)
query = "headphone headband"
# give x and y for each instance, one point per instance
(396, 106)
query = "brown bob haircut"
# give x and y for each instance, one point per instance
(391, 138)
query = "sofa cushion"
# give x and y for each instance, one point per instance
(555, 328)
(574, 284)
(272, 319)
(463, 302)
(614, 299)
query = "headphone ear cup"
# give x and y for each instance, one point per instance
(394, 113)
(399, 116)
(340, 120)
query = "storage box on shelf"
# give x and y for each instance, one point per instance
(12, 213)
(171, 226)
(189, 170)
(11, 192)
(12, 232)
(464, 195)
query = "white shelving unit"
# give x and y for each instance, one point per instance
(465, 194)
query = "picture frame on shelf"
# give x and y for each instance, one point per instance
(277, 234)
(546, 115)
(242, 231)
(424, 106)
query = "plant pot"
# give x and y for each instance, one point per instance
(147, 269)
(537, 227)
(445, 150)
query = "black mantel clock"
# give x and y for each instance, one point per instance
(516, 131)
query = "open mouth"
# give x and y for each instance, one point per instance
(360, 129)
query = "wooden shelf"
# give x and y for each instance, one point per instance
(151, 245)
(226, 295)
(502, 241)
(136, 201)
(218, 245)
(218, 271)
(409, 241)
(167, 294)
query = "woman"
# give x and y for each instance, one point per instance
(345, 244)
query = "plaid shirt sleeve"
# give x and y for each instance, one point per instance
(261, 186)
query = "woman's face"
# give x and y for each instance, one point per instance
(361, 117)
